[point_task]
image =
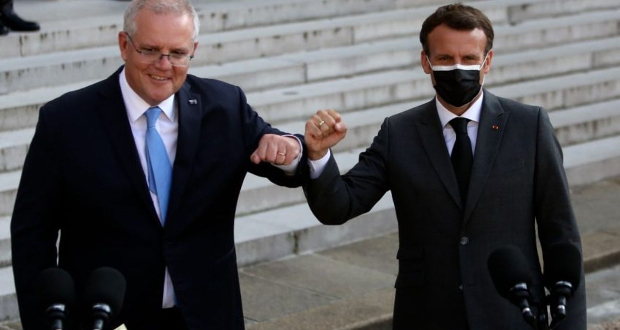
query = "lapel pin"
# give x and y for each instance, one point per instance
(495, 127)
(193, 101)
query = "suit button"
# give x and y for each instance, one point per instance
(461, 287)
(464, 240)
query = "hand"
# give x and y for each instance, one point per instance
(276, 149)
(323, 131)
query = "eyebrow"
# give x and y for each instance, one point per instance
(172, 50)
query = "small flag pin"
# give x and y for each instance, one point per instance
(495, 127)
(193, 101)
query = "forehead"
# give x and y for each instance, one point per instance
(445, 40)
(164, 29)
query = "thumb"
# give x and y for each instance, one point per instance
(254, 158)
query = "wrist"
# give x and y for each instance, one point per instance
(316, 155)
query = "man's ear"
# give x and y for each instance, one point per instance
(424, 61)
(123, 44)
(487, 64)
(195, 47)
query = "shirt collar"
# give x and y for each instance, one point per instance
(473, 113)
(136, 106)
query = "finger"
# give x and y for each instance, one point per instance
(335, 115)
(255, 158)
(273, 148)
(259, 153)
(329, 123)
(314, 127)
(280, 159)
(340, 127)
(292, 150)
(325, 123)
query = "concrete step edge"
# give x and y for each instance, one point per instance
(106, 51)
(374, 116)
(37, 66)
(347, 22)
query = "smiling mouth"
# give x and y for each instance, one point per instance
(159, 78)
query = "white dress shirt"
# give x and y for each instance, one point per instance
(168, 127)
(473, 114)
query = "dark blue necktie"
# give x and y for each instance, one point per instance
(159, 167)
(462, 156)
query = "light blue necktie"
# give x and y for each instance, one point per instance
(158, 163)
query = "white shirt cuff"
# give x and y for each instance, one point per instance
(291, 168)
(317, 166)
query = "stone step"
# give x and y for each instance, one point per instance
(300, 68)
(592, 161)
(333, 63)
(9, 181)
(372, 90)
(79, 25)
(574, 125)
(587, 123)
(96, 23)
(8, 300)
(540, 9)
(69, 67)
(5, 241)
(294, 230)
(18, 108)
(284, 226)
(96, 63)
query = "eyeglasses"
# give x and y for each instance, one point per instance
(150, 56)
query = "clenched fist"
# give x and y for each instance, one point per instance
(323, 131)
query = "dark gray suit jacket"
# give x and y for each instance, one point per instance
(517, 182)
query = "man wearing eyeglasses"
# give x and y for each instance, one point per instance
(141, 172)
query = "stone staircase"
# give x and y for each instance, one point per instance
(293, 57)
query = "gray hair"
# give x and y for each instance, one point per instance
(181, 7)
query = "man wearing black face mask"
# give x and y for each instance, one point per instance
(468, 172)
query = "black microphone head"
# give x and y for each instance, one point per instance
(55, 286)
(508, 267)
(563, 263)
(105, 286)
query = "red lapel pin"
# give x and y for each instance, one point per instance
(495, 127)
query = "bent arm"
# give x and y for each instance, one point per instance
(334, 199)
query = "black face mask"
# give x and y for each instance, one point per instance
(457, 84)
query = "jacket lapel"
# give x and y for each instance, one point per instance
(490, 131)
(435, 146)
(113, 113)
(190, 109)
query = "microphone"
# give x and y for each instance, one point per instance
(104, 294)
(56, 295)
(562, 277)
(512, 278)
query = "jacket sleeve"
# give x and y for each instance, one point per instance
(334, 199)
(253, 128)
(35, 221)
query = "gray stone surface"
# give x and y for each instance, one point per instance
(268, 298)
(603, 289)
(373, 253)
(323, 275)
(597, 205)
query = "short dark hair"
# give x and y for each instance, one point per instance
(459, 17)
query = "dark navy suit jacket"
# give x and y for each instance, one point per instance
(82, 176)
